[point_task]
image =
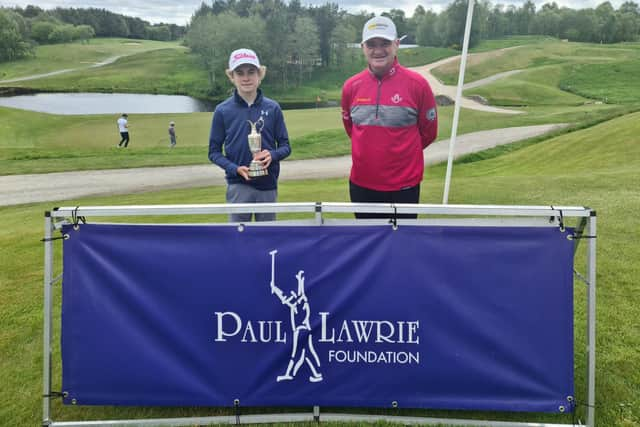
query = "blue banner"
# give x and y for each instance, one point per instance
(426, 316)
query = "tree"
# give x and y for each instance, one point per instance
(629, 7)
(606, 19)
(497, 24)
(159, 32)
(41, 30)
(341, 40)
(525, 17)
(84, 33)
(303, 42)
(455, 18)
(326, 18)
(427, 33)
(214, 37)
(12, 44)
(62, 34)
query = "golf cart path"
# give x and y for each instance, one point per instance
(34, 188)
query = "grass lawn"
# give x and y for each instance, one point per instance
(77, 55)
(181, 74)
(36, 143)
(597, 167)
(537, 86)
(614, 83)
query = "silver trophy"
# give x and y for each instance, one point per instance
(255, 145)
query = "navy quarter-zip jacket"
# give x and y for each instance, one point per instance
(228, 144)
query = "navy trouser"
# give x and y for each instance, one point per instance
(125, 138)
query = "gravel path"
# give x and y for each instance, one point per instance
(19, 189)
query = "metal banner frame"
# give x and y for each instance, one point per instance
(320, 214)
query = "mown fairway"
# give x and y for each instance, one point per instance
(554, 73)
(77, 55)
(596, 167)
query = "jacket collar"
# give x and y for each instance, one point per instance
(239, 100)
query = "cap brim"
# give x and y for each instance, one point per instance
(379, 36)
(245, 63)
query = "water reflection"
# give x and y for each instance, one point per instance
(105, 103)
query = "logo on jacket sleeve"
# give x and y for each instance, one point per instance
(431, 114)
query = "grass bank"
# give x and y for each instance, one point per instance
(597, 167)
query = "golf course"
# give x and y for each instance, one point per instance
(594, 161)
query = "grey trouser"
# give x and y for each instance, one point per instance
(240, 193)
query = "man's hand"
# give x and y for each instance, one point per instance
(243, 171)
(264, 157)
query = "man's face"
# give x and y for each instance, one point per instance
(246, 79)
(380, 54)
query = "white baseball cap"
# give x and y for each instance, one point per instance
(243, 56)
(379, 26)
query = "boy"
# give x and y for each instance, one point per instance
(172, 134)
(230, 129)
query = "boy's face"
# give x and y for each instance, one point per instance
(246, 79)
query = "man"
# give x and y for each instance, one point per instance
(389, 112)
(123, 127)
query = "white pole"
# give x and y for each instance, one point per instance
(456, 108)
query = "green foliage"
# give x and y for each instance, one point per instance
(12, 42)
(214, 37)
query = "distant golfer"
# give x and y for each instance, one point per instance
(172, 134)
(123, 127)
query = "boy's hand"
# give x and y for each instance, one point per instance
(243, 171)
(264, 157)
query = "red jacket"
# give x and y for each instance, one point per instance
(390, 121)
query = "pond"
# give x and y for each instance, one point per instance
(105, 103)
(117, 103)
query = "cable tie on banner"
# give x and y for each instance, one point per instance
(55, 394)
(394, 219)
(75, 219)
(236, 405)
(560, 219)
(576, 237)
(50, 239)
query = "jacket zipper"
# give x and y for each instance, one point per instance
(378, 97)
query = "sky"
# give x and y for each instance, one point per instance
(179, 12)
